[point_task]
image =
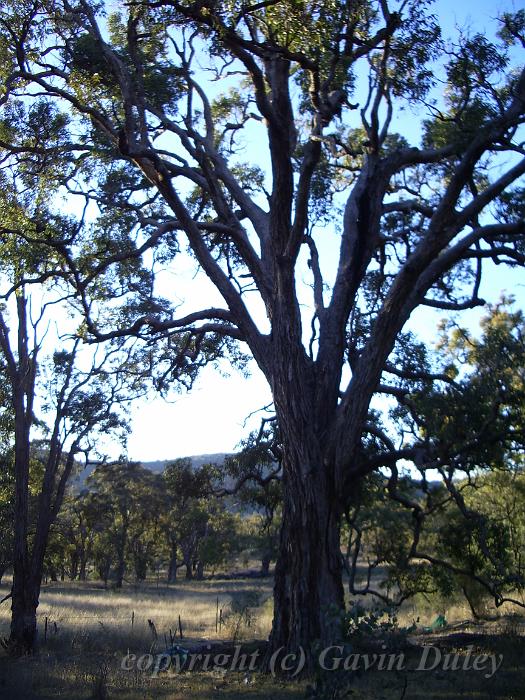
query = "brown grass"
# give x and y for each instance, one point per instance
(82, 655)
(86, 613)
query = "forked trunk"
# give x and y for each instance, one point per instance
(24, 596)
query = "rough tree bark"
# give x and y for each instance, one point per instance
(26, 586)
(308, 574)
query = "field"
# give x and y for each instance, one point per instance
(91, 632)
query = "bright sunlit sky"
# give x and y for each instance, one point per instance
(211, 418)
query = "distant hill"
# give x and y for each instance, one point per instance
(158, 466)
(196, 460)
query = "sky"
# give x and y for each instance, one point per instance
(212, 417)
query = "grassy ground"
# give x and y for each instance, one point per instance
(90, 630)
(89, 616)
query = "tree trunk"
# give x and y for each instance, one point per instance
(73, 573)
(473, 602)
(26, 593)
(23, 633)
(82, 573)
(141, 567)
(172, 569)
(200, 571)
(103, 568)
(121, 555)
(22, 636)
(265, 564)
(308, 586)
(308, 582)
(119, 573)
(187, 560)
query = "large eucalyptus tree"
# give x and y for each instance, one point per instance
(247, 134)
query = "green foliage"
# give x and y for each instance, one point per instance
(479, 422)
(362, 623)
(42, 129)
(372, 516)
(6, 410)
(254, 471)
(195, 524)
(470, 423)
(129, 496)
(466, 541)
(96, 76)
(513, 29)
(361, 630)
(414, 47)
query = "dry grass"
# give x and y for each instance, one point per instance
(90, 616)
(90, 630)
(82, 656)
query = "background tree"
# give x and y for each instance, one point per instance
(74, 533)
(462, 425)
(187, 490)
(158, 149)
(74, 392)
(129, 494)
(217, 538)
(256, 473)
(81, 405)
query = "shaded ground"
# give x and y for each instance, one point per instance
(83, 658)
